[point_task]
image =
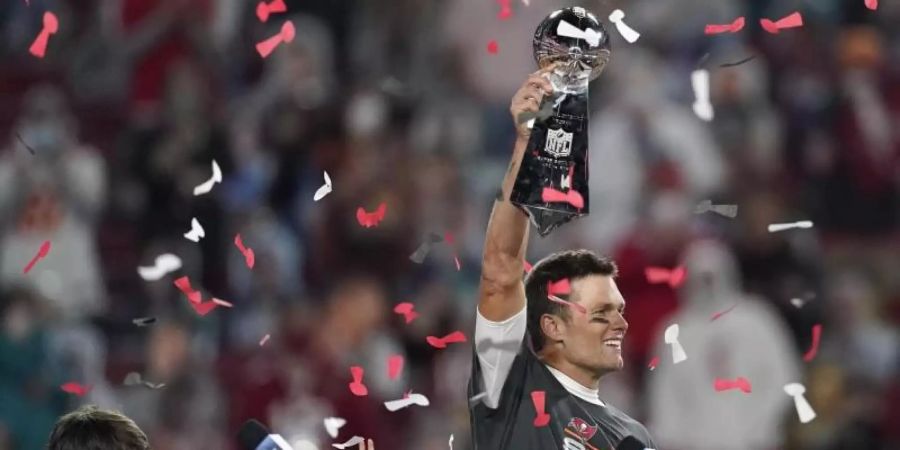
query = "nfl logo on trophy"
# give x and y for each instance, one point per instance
(559, 143)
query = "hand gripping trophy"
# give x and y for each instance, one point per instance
(552, 183)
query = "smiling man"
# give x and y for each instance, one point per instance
(528, 346)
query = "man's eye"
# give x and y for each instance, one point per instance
(599, 319)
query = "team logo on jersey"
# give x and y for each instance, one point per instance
(581, 427)
(559, 143)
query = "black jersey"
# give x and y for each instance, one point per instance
(574, 423)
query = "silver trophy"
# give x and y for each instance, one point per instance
(552, 183)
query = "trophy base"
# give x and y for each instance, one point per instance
(546, 220)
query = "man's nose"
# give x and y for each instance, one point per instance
(619, 322)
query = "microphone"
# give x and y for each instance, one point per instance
(631, 443)
(255, 436)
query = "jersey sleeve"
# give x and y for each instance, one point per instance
(496, 347)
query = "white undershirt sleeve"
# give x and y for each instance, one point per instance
(497, 344)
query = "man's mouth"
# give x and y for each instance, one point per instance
(613, 342)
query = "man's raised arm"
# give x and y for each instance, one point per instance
(501, 292)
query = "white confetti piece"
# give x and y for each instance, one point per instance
(196, 231)
(413, 399)
(207, 185)
(451, 442)
(628, 33)
(263, 342)
(671, 337)
(351, 443)
(333, 425)
(324, 190)
(163, 264)
(776, 227)
(804, 409)
(723, 210)
(702, 107)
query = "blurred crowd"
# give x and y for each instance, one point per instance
(400, 102)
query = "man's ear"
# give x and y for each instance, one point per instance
(554, 327)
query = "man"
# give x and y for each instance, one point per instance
(568, 347)
(92, 428)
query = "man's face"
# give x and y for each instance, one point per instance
(594, 340)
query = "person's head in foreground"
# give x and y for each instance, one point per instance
(91, 428)
(583, 345)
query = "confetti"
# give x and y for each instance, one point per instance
(221, 302)
(333, 425)
(799, 302)
(207, 185)
(792, 21)
(452, 338)
(75, 388)
(264, 340)
(51, 26)
(163, 264)
(722, 313)
(184, 285)
(628, 33)
(492, 47)
(135, 379)
(590, 35)
(144, 321)
(406, 309)
(266, 47)
(357, 387)
(702, 106)
(738, 383)
(560, 287)
(814, 348)
(737, 63)
(197, 232)
(249, 256)
(195, 298)
(872, 4)
(323, 190)
(371, 219)
(653, 363)
(451, 442)
(352, 442)
(804, 410)
(724, 210)
(41, 254)
(572, 305)
(776, 227)
(660, 275)
(505, 10)
(395, 366)
(572, 197)
(449, 238)
(473, 400)
(733, 27)
(538, 398)
(27, 147)
(671, 337)
(527, 266)
(263, 9)
(424, 248)
(413, 399)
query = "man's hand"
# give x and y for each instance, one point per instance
(528, 99)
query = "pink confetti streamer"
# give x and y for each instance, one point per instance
(493, 47)
(569, 304)
(266, 47)
(814, 348)
(722, 313)
(371, 219)
(653, 363)
(872, 4)
(395, 366)
(357, 387)
(560, 287)
(527, 265)
(572, 197)
(538, 398)
(263, 9)
(733, 27)
(505, 10)
(452, 338)
(51, 26)
(264, 340)
(249, 256)
(792, 21)
(738, 383)
(658, 275)
(76, 388)
(406, 309)
(41, 254)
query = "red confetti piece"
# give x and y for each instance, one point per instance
(572, 197)
(673, 278)
(266, 47)
(452, 338)
(264, 340)
(561, 287)
(572, 305)
(371, 219)
(357, 387)
(505, 10)
(653, 363)
(395, 366)
(738, 383)
(872, 4)
(249, 256)
(263, 9)
(51, 26)
(184, 285)
(733, 27)
(720, 314)
(814, 348)
(792, 21)
(195, 298)
(75, 388)
(538, 398)
(492, 47)
(528, 266)
(406, 310)
(42, 252)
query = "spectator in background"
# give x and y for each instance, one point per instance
(750, 342)
(29, 381)
(53, 195)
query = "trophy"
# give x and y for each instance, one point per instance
(552, 183)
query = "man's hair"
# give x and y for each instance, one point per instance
(91, 428)
(571, 264)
